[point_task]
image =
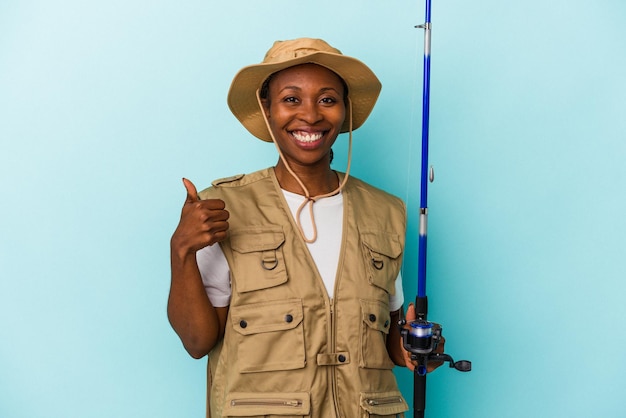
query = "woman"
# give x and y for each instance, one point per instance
(298, 304)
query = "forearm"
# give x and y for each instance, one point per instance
(394, 340)
(198, 324)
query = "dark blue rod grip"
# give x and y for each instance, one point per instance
(419, 395)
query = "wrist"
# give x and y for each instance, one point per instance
(181, 253)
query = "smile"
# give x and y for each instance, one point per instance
(307, 137)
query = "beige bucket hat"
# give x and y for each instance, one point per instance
(363, 85)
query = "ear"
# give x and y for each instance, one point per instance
(266, 107)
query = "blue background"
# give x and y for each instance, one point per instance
(104, 106)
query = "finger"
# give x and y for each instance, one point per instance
(192, 193)
(410, 313)
(218, 237)
(433, 365)
(407, 357)
(215, 204)
(440, 345)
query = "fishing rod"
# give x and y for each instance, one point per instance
(422, 337)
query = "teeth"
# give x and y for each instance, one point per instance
(307, 137)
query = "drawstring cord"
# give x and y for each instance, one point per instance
(308, 199)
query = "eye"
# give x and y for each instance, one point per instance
(328, 100)
(290, 99)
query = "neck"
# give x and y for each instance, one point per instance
(318, 181)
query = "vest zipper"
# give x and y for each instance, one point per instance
(333, 346)
(384, 401)
(292, 403)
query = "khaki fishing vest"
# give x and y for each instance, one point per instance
(289, 350)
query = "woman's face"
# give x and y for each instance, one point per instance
(305, 109)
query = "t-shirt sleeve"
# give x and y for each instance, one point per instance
(215, 274)
(396, 301)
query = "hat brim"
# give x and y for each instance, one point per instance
(363, 89)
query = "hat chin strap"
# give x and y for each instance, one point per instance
(310, 200)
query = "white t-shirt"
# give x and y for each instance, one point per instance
(325, 251)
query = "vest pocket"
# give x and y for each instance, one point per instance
(382, 255)
(383, 405)
(267, 405)
(269, 336)
(258, 258)
(375, 320)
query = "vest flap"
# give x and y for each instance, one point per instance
(266, 316)
(375, 314)
(246, 240)
(382, 242)
(383, 403)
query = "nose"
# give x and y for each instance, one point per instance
(310, 112)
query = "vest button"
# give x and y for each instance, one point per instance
(386, 323)
(243, 324)
(372, 317)
(288, 318)
(341, 358)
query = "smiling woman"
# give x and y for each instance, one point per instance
(305, 111)
(279, 303)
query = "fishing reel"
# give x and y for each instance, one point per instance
(421, 340)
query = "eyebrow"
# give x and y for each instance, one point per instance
(322, 90)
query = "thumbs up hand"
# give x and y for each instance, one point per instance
(202, 223)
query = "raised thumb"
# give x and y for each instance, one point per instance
(192, 193)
